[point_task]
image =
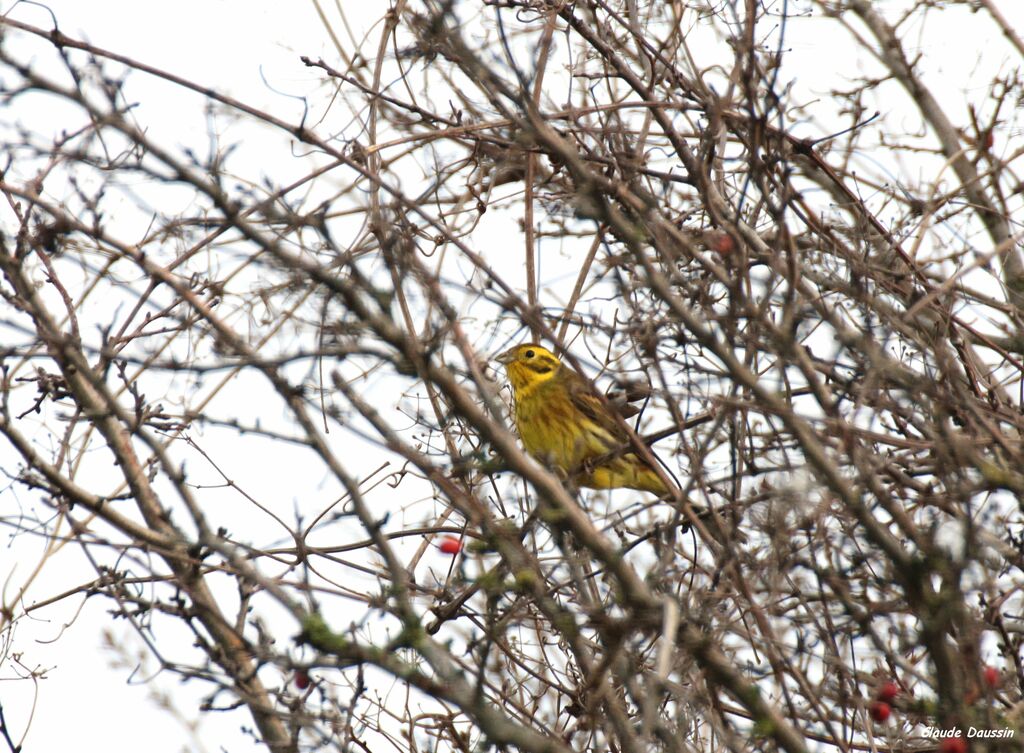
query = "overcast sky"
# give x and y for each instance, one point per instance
(251, 50)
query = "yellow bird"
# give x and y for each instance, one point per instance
(565, 425)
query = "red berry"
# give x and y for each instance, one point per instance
(301, 679)
(888, 691)
(953, 745)
(880, 711)
(450, 545)
(990, 139)
(722, 244)
(992, 677)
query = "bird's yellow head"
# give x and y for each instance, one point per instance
(528, 365)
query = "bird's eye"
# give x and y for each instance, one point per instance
(529, 354)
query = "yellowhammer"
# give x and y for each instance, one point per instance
(567, 427)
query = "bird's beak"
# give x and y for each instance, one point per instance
(507, 357)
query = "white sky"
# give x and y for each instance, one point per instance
(249, 49)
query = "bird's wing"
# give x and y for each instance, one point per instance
(590, 405)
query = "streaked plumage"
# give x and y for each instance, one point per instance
(565, 425)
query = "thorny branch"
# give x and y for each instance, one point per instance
(824, 351)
